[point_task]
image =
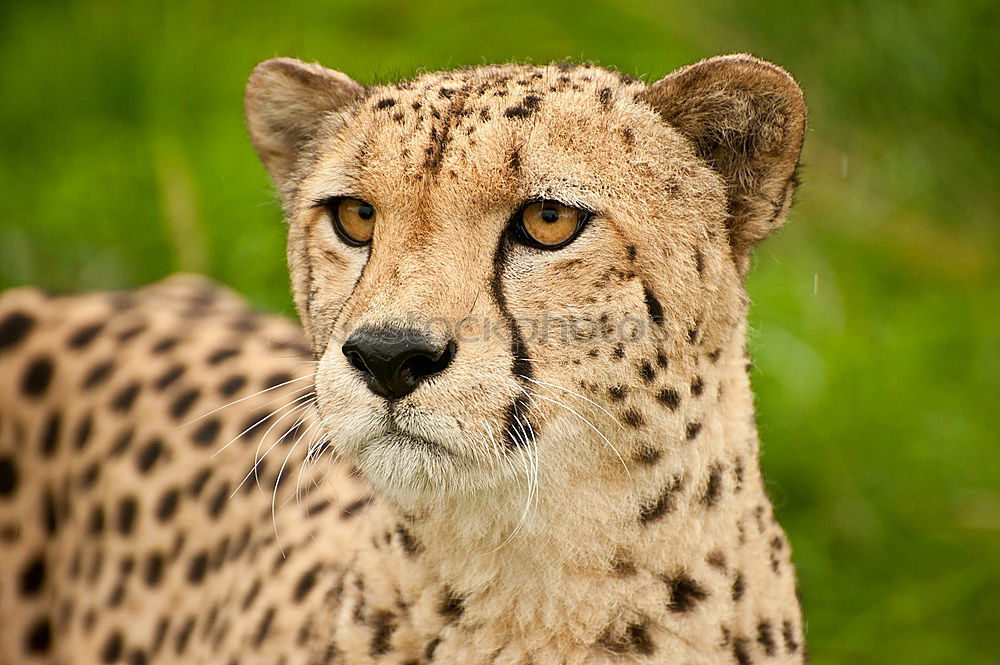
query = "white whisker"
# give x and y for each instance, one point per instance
(237, 401)
(591, 426)
(269, 414)
(583, 397)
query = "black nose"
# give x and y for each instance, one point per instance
(395, 360)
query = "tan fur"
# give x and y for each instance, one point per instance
(619, 518)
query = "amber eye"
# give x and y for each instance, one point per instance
(548, 224)
(353, 219)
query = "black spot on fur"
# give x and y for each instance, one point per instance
(127, 510)
(221, 355)
(255, 424)
(50, 512)
(383, 626)
(33, 577)
(183, 635)
(154, 569)
(407, 541)
(305, 584)
(112, 649)
(647, 372)
(633, 418)
(8, 476)
(669, 398)
(765, 638)
(198, 482)
(230, 386)
(183, 403)
(661, 359)
(713, 488)
(51, 434)
(170, 375)
(197, 568)
(788, 633)
(648, 455)
(526, 108)
(664, 503)
(37, 377)
(129, 333)
(276, 379)
(452, 606)
(385, 103)
(89, 476)
(122, 443)
(515, 161)
(98, 373)
(165, 345)
(635, 639)
(699, 261)
(167, 505)
(149, 454)
(264, 627)
(82, 435)
(685, 593)
(617, 393)
(604, 97)
(84, 336)
(692, 431)
(206, 432)
(217, 503)
(697, 386)
(739, 586)
(741, 651)
(716, 559)
(714, 355)
(38, 639)
(355, 507)
(692, 334)
(13, 329)
(95, 525)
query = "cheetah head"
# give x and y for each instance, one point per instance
(505, 263)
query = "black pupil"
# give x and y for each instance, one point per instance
(366, 212)
(550, 215)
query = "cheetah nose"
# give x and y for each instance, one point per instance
(394, 361)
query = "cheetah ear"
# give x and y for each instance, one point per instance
(747, 119)
(285, 103)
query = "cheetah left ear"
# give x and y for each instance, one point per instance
(285, 104)
(747, 119)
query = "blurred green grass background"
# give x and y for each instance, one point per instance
(876, 317)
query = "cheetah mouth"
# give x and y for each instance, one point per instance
(396, 437)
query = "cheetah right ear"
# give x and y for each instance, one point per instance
(747, 119)
(285, 103)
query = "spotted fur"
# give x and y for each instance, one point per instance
(579, 485)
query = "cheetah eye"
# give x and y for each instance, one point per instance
(548, 224)
(352, 219)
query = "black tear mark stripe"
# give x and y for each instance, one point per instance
(516, 417)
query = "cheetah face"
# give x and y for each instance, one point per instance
(496, 264)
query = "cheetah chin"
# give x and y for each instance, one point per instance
(516, 425)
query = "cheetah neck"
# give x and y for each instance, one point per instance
(658, 559)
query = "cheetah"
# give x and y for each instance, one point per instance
(515, 427)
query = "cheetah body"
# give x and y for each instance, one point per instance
(589, 495)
